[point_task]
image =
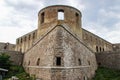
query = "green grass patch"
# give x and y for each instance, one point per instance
(107, 74)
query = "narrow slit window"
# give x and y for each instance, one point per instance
(79, 61)
(28, 63)
(89, 62)
(33, 35)
(21, 40)
(25, 38)
(96, 48)
(77, 17)
(20, 49)
(58, 61)
(100, 49)
(29, 37)
(42, 17)
(103, 49)
(18, 41)
(38, 62)
(60, 14)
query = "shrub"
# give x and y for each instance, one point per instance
(4, 61)
(107, 74)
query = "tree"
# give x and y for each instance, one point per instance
(4, 61)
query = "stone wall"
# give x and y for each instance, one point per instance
(7, 46)
(116, 46)
(41, 55)
(76, 54)
(77, 60)
(109, 59)
(96, 43)
(24, 42)
(15, 57)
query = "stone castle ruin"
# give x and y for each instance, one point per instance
(60, 49)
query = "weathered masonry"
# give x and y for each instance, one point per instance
(52, 17)
(58, 50)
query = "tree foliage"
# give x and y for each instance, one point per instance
(5, 61)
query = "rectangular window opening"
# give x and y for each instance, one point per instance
(60, 14)
(58, 61)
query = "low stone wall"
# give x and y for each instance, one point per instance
(60, 73)
(109, 59)
(15, 57)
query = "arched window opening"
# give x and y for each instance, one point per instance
(33, 35)
(38, 62)
(96, 41)
(21, 40)
(77, 17)
(60, 14)
(20, 49)
(79, 61)
(28, 63)
(100, 49)
(29, 37)
(18, 41)
(42, 17)
(96, 48)
(89, 62)
(25, 39)
(99, 63)
(91, 38)
(103, 49)
(5, 47)
(58, 61)
(85, 78)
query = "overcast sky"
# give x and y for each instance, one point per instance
(18, 17)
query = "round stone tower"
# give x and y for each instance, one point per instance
(57, 15)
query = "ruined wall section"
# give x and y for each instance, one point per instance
(96, 43)
(109, 59)
(15, 57)
(116, 47)
(7, 46)
(24, 42)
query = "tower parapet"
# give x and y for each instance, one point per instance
(57, 15)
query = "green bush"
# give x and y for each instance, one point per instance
(19, 72)
(107, 74)
(4, 61)
(13, 70)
